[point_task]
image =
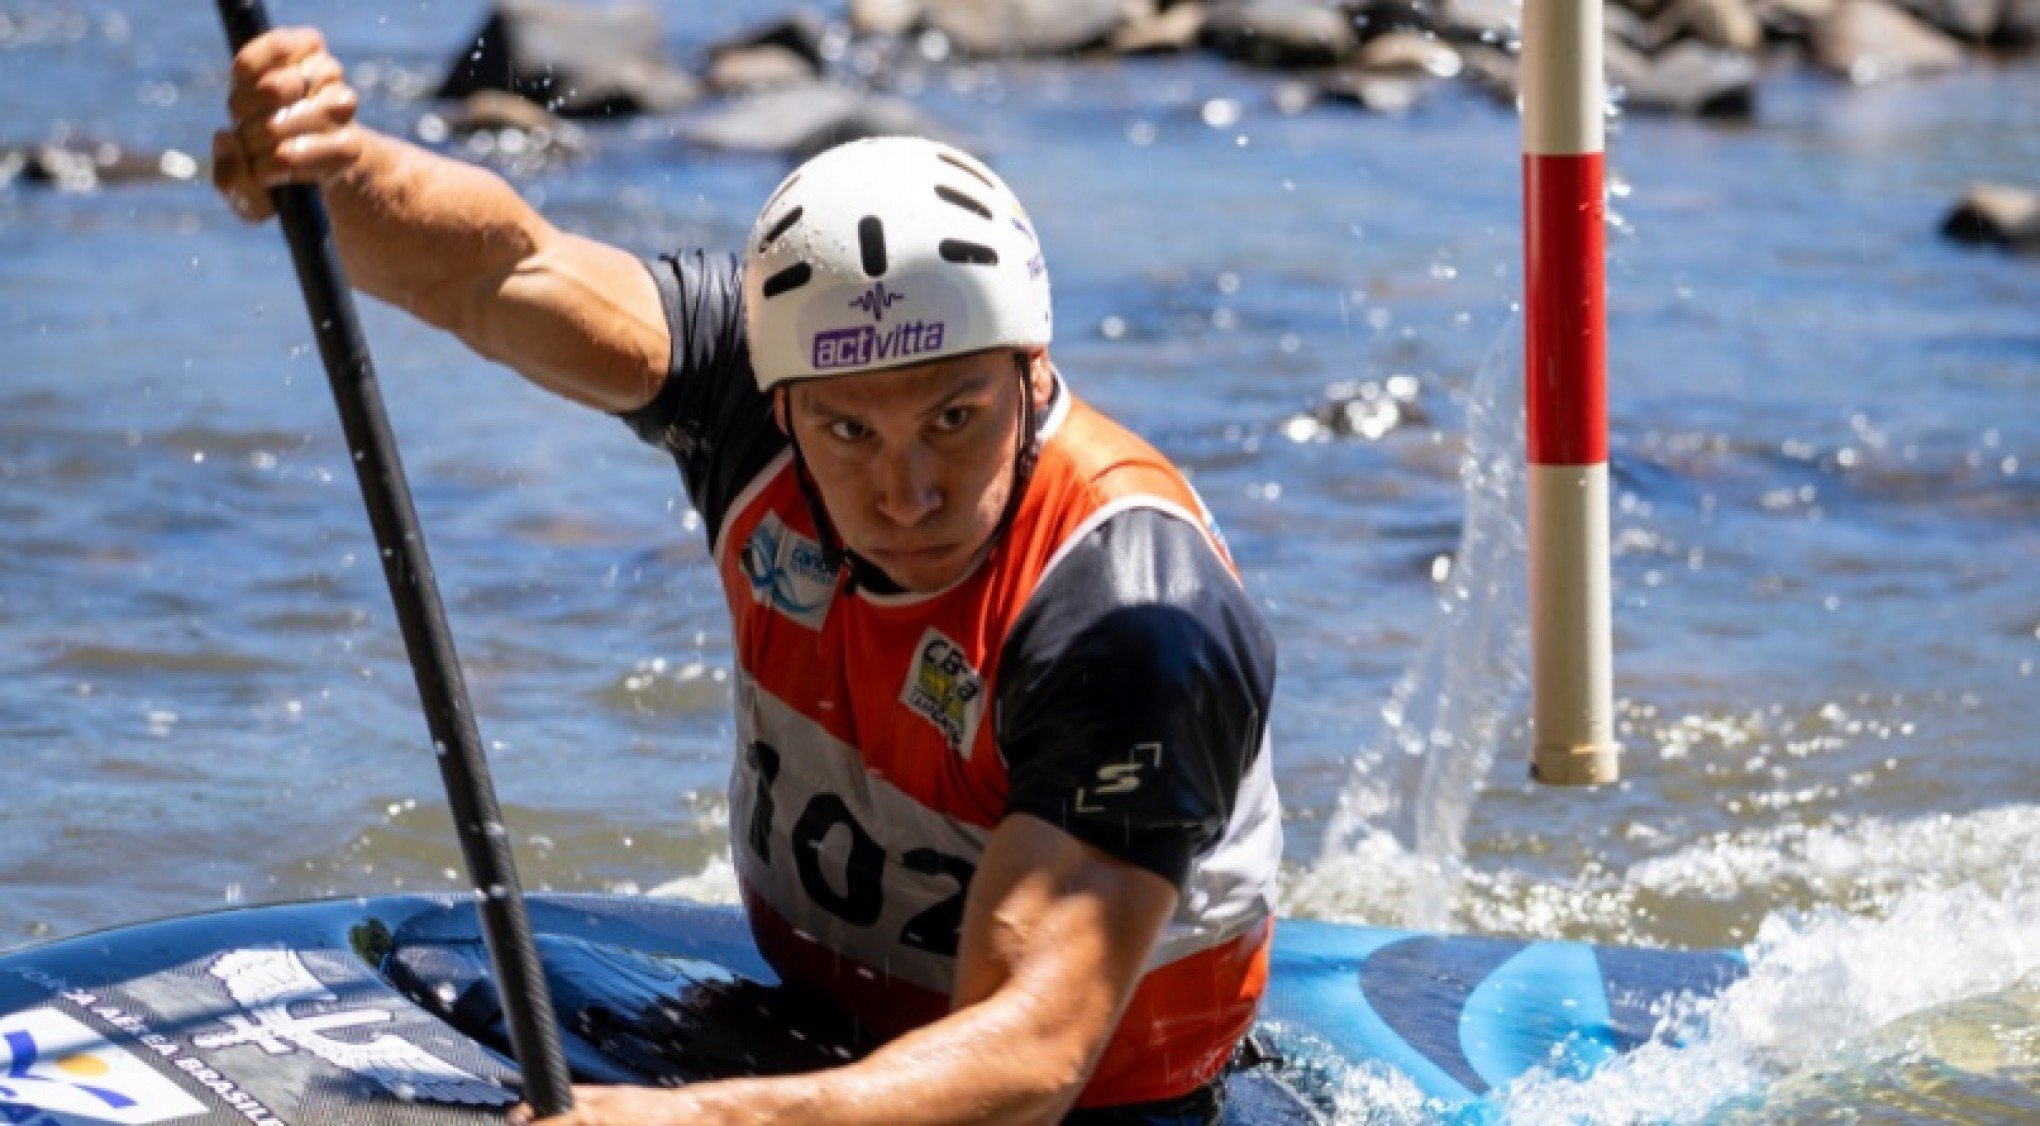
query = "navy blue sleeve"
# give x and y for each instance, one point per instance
(709, 413)
(1134, 693)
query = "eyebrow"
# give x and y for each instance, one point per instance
(972, 384)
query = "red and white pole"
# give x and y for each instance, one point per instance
(1571, 679)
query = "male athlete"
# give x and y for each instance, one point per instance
(1002, 788)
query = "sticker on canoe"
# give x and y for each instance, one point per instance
(58, 1072)
(266, 983)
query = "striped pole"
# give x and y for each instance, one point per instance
(1571, 682)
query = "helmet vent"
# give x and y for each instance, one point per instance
(967, 253)
(976, 173)
(793, 277)
(951, 195)
(871, 244)
(778, 229)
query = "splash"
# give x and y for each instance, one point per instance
(1404, 812)
(1834, 1004)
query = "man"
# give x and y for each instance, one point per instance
(1002, 787)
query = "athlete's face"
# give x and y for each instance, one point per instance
(915, 465)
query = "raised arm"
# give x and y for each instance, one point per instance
(451, 243)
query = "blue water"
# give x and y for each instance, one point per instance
(1826, 457)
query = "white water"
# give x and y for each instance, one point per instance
(1896, 958)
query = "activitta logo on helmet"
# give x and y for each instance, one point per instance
(864, 344)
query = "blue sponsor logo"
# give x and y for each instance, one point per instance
(788, 572)
(57, 1071)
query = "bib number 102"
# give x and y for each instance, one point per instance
(861, 898)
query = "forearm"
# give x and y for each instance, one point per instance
(420, 230)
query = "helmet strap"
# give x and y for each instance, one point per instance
(1028, 452)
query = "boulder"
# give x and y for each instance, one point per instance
(800, 121)
(1496, 72)
(2019, 26)
(1409, 54)
(1688, 79)
(84, 166)
(1972, 21)
(1869, 41)
(1494, 22)
(1376, 92)
(1791, 20)
(576, 61)
(803, 33)
(743, 70)
(494, 109)
(1732, 24)
(1379, 17)
(1620, 25)
(1284, 34)
(1171, 31)
(885, 17)
(1997, 215)
(992, 28)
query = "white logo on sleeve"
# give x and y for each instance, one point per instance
(58, 1072)
(1119, 777)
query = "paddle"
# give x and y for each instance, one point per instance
(506, 929)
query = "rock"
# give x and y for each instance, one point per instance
(743, 70)
(1171, 31)
(1689, 79)
(1869, 41)
(1620, 25)
(1409, 54)
(576, 61)
(1377, 93)
(1972, 21)
(991, 28)
(1379, 17)
(84, 166)
(494, 109)
(1493, 22)
(801, 121)
(2019, 27)
(802, 33)
(1732, 24)
(885, 17)
(1791, 20)
(1495, 71)
(1997, 215)
(1285, 34)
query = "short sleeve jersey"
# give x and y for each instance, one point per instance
(1101, 668)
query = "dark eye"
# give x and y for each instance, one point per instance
(953, 419)
(848, 430)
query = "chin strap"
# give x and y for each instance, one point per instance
(1027, 454)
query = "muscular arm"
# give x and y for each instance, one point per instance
(1055, 934)
(451, 243)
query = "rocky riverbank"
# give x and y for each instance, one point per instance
(514, 91)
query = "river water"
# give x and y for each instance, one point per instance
(1826, 459)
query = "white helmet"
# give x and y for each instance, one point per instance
(889, 251)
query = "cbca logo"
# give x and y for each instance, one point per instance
(944, 688)
(61, 1073)
(788, 572)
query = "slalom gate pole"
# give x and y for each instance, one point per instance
(1571, 679)
(506, 928)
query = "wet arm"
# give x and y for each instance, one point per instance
(1055, 937)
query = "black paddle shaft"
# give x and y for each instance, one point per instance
(506, 928)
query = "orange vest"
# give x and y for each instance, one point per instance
(868, 777)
